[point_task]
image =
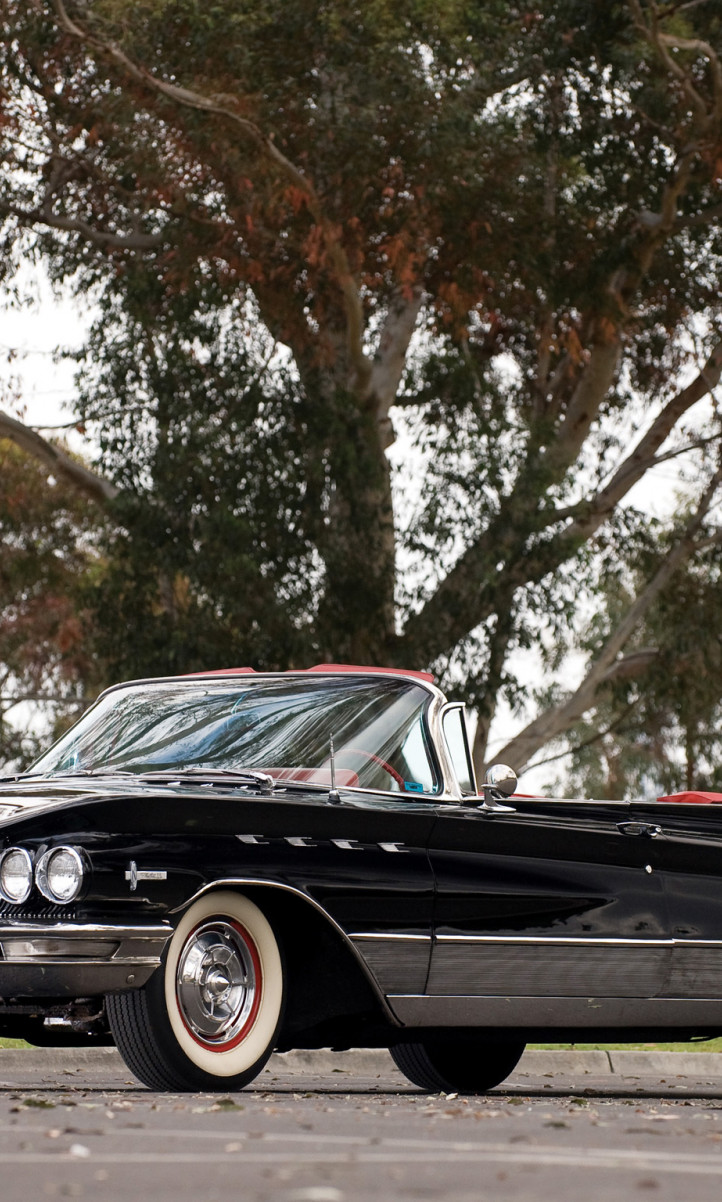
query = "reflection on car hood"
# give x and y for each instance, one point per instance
(33, 794)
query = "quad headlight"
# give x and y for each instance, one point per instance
(59, 874)
(16, 875)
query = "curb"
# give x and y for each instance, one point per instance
(621, 1064)
(362, 1062)
(372, 1062)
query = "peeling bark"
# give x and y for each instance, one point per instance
(583, 409)
(389, 361)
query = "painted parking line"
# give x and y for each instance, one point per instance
(534, 1157)
(388, 1152)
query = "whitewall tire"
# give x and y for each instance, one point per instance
(208, 1018)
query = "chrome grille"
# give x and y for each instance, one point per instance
(37, 911)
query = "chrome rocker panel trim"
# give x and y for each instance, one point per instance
(574, 967)
(535, 1012)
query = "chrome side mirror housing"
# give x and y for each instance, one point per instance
(500, 781)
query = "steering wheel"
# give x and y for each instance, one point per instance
(376, 759)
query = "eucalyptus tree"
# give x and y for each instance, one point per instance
(494, 226)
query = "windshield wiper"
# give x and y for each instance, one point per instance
(25, 776)
(76, 772)
(249, 777)
(262, 779)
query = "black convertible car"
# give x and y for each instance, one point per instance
(209, 867)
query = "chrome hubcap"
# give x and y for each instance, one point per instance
(216, 982)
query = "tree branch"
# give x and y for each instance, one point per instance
(598, 734)
(629, 667)
(470, 590)
(706, 217)
(559, 718)
(703, 48)
(61, 464)
(580, 509)
(44, 216)
(583, 408)
(643, 456)
(714, 540)
(651, 33)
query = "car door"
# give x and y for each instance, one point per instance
(546, 913)
(686, 843)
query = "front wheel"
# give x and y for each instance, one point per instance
(459, 1065)
(208, 1018)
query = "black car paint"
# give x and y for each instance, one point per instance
(566, 875)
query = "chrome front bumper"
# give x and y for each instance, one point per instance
(67, 959)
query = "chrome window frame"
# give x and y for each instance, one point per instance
(457, 790)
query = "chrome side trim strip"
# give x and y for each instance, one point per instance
(573, 940)
(388, 938)
(577, 940)
(557, 940)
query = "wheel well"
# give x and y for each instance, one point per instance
(329, 997)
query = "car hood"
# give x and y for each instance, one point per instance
(31, 795)
(120, 802)
(27, 796)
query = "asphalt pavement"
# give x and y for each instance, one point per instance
(347, 1126)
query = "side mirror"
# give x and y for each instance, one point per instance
(500, 781)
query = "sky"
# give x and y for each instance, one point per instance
(29, 340)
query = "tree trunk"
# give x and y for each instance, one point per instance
(356, 613)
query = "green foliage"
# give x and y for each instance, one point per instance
(47, 533)
(389, 111)
(211, 558)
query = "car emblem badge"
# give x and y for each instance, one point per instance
(135, 874)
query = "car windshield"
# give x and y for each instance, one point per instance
(278, 726)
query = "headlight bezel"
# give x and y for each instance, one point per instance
(30, 877)
(43, 869)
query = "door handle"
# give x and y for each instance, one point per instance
(648, 830)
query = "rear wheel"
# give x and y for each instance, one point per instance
(470, 1065)
(208, 1018)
